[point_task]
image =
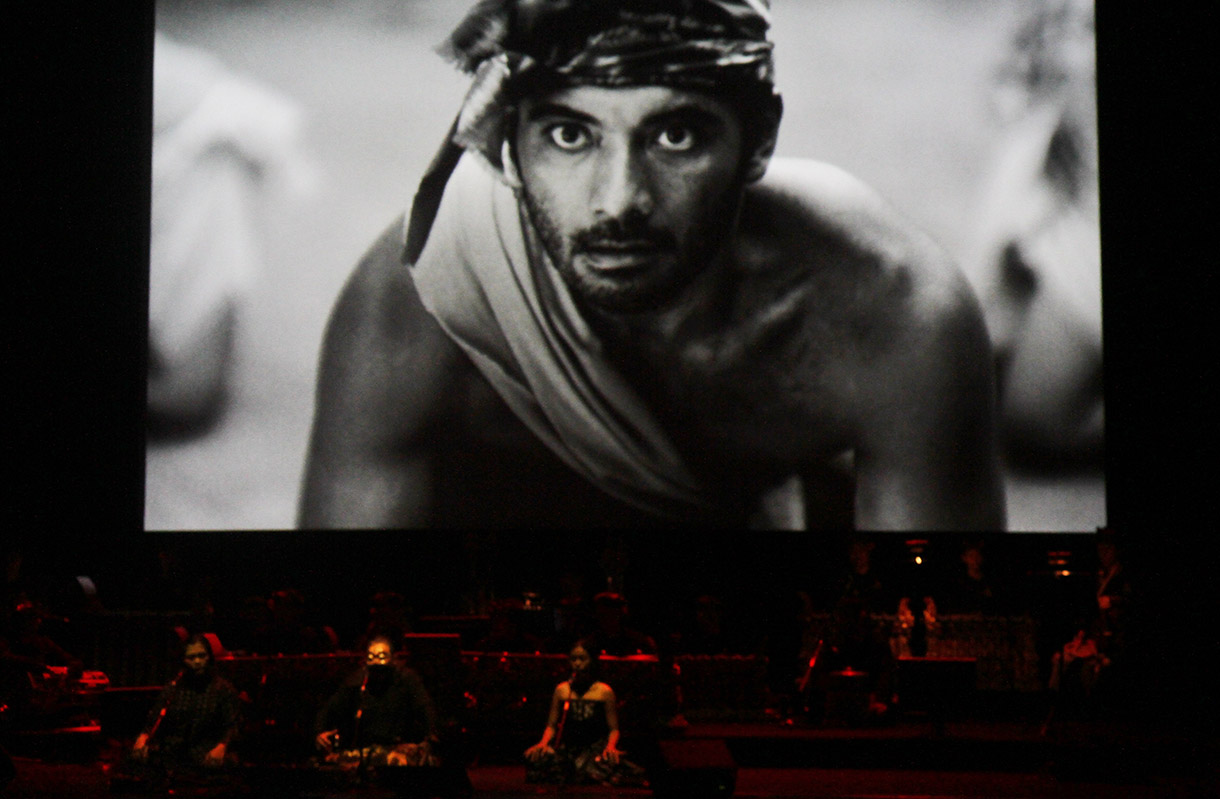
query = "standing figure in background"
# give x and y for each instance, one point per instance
(1091, 672)
(380, 716)
(195, 718)
(1039, 261)
(861, 583)
(973, 590)
(580, 742)
(222, 146)
(1113, 593)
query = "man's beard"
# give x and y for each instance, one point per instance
(649, 288)
(197, 680)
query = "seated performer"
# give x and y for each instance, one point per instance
(195, 718)
(580, 742)
(380, 716)
(609, 307)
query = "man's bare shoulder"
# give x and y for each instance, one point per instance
(380, 295)
(383, 351)
(865, 263)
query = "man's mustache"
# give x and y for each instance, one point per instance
(622, 232)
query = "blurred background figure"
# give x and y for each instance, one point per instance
(1114, 595)
(389, 617)
(25, 641)
(973, 590)
(861, 583)
(706, 633)
(573, 611)
(611, 633)
(1038, 268)
(506, 632)
(1092, 672)
(36, 673)
(223, 147)
(247, 624)
(850, 676)
(288, 631)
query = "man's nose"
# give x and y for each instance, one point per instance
(622, 186)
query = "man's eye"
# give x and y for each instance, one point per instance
(568, 136)
(676, 138)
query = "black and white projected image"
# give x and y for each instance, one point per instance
(289, 136)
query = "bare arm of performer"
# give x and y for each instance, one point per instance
(325, 740)
(901, 349)
(543, 747)
(228, 711)
(381, 380)
(326, 723)
(611, 753)
(139, 747)
(927, 456)
(216, 755)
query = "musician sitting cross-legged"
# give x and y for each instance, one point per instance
(380, 716)
(580, 742)
(195, 718)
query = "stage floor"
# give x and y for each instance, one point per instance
(43, 780)
(964, 761)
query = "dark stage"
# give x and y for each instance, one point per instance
(974, 719)
(969, 759)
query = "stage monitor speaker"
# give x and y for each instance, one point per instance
(694, 769)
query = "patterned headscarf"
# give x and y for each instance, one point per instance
(709, 45)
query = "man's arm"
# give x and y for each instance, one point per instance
(927, 458)
(421, 721)
(916, 374)
(382, 379)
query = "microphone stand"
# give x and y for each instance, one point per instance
(361, 765)
(169, 696)
(563, 718)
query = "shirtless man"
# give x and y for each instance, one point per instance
(617, 310)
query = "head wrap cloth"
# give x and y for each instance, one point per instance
(708, 45)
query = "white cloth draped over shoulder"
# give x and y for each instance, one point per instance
(484, 277)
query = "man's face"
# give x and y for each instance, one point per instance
(196, 658)
(379, 654)
(632, 190)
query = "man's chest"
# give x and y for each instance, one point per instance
(756, 393)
